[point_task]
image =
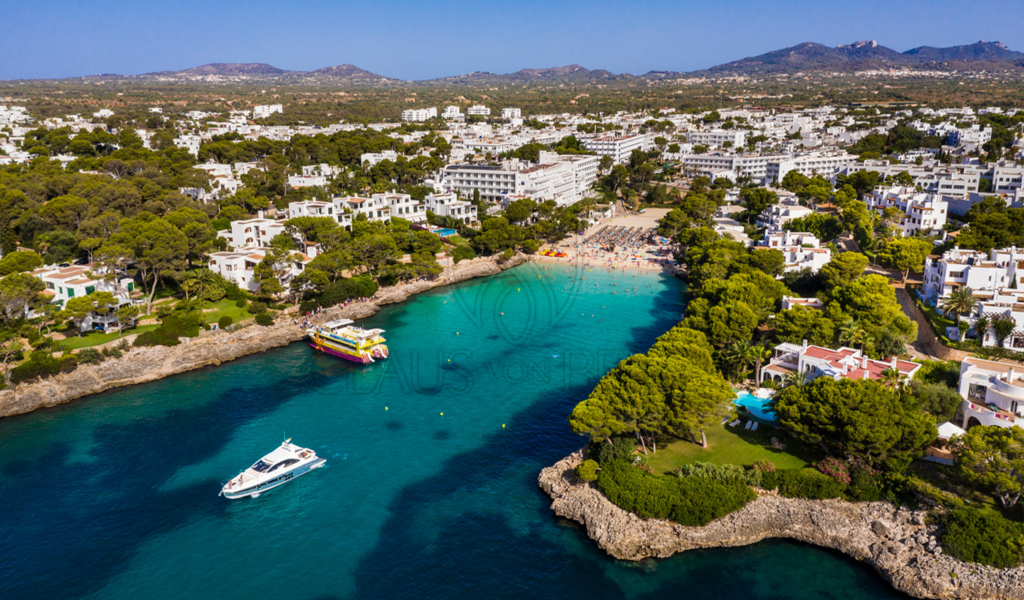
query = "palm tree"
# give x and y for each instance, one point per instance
(892, 379)
(851, 332)
(961, 301)
(761, 353)
(735, 357)
(981, 325)
(1003, 327)
(198, 281)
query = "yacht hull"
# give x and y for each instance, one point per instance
(341, 352)
(270, 484)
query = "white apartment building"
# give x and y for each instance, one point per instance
(240, 266)
(451, 112)
(775, 217)
(76, 281)
(1006, 178)
(376, 207)
(974, 135)
(983, 273)
(993, 393)
(405, 207)
(799, 250)
(566, 179)
(511, 113)
(717, 138)
(449, 205)
(265, 110)
(618, 148)
(375, 158)
(252, 232)
(304, 181)
(190, 143)
(318, 208)
(752, 166)
(478, 110)
(809, 165)
(418, 115)
(923, 212)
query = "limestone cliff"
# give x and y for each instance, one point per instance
(895, 541)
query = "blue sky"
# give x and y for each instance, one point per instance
(418, 40)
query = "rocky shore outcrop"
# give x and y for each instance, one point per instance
(141, 365)
(897, 542)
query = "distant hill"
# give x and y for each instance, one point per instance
(807, 57)
(350, 72)
(864, 55)
(227, 70)
(568, 74)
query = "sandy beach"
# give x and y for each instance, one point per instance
(626, 242)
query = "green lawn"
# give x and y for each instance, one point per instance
(224, 307)
(95, 338)
(456, 240)
(734, 445)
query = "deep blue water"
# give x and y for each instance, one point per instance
(115, 496)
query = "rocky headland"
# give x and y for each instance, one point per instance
(897, 542)
(141, 365)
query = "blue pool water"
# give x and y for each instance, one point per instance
(756, 407)
(115, 496)
(445, 232)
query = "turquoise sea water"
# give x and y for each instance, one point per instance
(115, 496)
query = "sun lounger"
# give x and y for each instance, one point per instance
(734, 423)
(754, 427)
(749, 423)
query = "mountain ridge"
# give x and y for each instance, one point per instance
(806, 56)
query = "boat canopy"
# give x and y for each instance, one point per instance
(338, 323)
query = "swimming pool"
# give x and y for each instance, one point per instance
(756, 407)
(445, 232)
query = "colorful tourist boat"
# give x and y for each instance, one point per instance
(341, 338)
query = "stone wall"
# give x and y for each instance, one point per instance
(141, 365)
(897, 542)
(925, 333)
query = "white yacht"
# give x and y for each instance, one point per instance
(280, 466)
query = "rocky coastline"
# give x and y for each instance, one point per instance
(897, 542)
(142, 365)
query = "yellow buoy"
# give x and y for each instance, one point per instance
(456, 333)
(502, 425)
(385, 408)
(449, 360)
(442, 414)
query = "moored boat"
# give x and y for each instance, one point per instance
(343, 339)
(285, 463)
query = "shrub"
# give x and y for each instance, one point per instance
(307, 306)
(68, 363)
(720, 473)
(763, 465)
(265, 319)
(90, 356)
(985, 538)
(807, 483)
(461, 253)
(173, 326)
(225, 322)
(258, 308)
(865, 485)
(587, 470)
(41, 363)
(620, 448)
(690, 501)
(769, 480)
(241, 302)
(834, 468)
(341, 290)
